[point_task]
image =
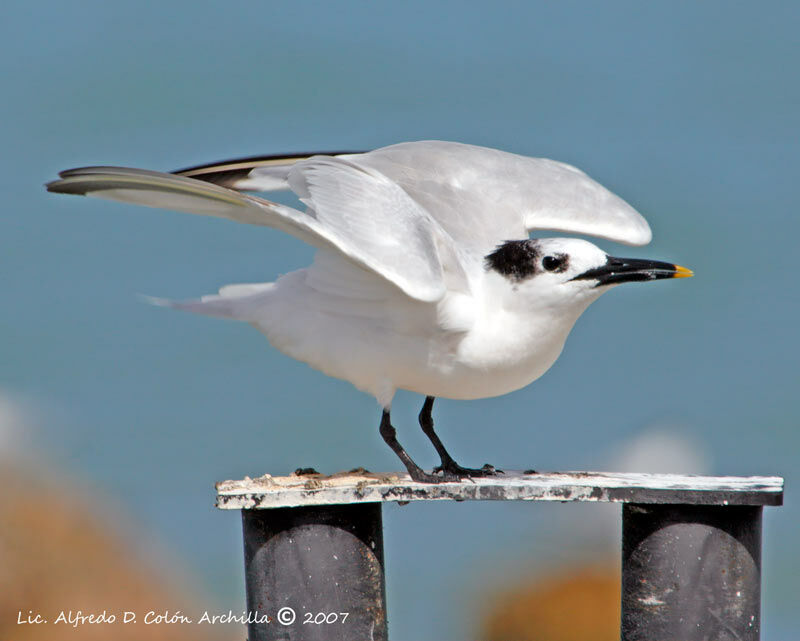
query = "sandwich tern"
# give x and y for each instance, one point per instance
(425, 277)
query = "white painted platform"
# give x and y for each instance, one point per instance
(364, 487)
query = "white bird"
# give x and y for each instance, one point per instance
(425, 277)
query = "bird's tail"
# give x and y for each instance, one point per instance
(238, 302)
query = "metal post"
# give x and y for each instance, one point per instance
(691, 572)
(691, 565)
(315, 573)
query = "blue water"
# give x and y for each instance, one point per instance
(687, 110)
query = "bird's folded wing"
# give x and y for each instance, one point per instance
(480, 196)
(347, 207)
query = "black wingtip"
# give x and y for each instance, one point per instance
(62, 186)
(227, 173)
(57, 187)
(255, 161)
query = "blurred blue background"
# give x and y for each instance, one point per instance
(687, 110)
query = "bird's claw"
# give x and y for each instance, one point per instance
(305, 471)
(434, 477)
(454, 470)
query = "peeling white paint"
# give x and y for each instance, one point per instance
(291, 491)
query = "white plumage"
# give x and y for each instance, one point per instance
(415, 284)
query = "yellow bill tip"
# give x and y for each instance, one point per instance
(682, 272)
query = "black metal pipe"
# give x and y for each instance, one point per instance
(691, 572)
(314, 573)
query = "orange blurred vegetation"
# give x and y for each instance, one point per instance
(57, 553)
(578, 604)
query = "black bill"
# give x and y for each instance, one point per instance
(627, 270)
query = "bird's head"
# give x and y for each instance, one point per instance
(565, 274)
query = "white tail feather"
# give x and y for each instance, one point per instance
(236, 302)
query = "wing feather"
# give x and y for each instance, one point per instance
(479, 196)
(337, 229)
(253, 173)
(484, 196)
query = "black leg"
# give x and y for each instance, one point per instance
(389, 435)
(448, 466)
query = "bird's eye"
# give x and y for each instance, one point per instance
(552, 263)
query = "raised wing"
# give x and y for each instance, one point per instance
(483, 196)
(480, 196)
(356, 212)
